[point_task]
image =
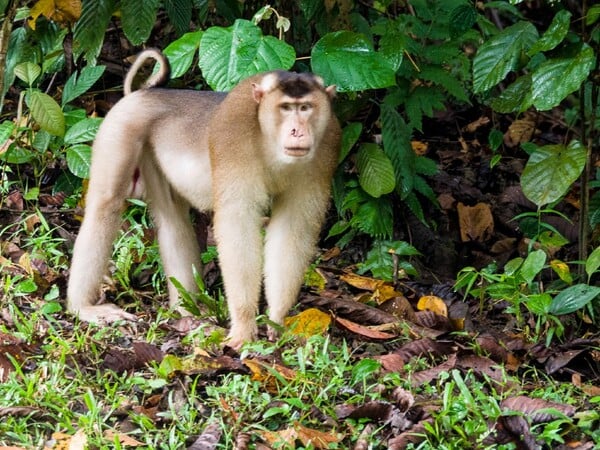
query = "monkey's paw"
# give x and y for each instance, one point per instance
(103, 314)
(238, 336)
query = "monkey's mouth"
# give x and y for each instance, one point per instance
(297, 151)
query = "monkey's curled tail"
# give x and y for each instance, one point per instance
(157, 79)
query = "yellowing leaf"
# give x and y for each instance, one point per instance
(360, 282)
(309, 322)
(61, 11)
(385, 292)
(562, 270)
(433, 304)
(267, 373)
(315, 279)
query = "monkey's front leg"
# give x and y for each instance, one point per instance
(290, 247)
(237, 225)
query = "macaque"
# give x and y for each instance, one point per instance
(270, 146)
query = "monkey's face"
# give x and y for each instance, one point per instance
(293, 115)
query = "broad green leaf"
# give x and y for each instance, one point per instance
(592, 263)
(511, 267)
(78, 84)
(89, 30)
(46, 112)
(350, 135)
(592, 15)
(375, 171)
(462, 18)
(500, 54)
(554, 79)
(79, 160)
(28, 72)
(6, 129)
(495, 139)
(83, 131)
(533, 265)
(349, 61)
(539, 303)
(551, 170)
(515, 98)
(17, 155)
(17, 47)
(573, 299)
(181, 52)
(228, 55)
(392, 45)
(138, 18)
(555, 33)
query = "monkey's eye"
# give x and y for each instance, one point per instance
(306, 107)
(286, 107)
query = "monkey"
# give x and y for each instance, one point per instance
(268, 147)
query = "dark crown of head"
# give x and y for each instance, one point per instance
(297, 84)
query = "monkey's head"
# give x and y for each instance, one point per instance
(294, 111)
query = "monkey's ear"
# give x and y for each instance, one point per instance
(257, 92)
(331, 91)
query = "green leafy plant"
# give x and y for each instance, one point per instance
(518, 285)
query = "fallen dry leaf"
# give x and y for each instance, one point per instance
(428, 375)
(363, 330)
(433, 304)
(123, 439)
(307, 436)
(265, 373)
(536, 409)
(476, 222)
(309, 322)
(521, 130)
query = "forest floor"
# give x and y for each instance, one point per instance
(363, 364)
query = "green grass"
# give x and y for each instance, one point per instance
(62, 382)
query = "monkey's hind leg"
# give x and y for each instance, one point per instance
(111, 178)
(177, 241)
